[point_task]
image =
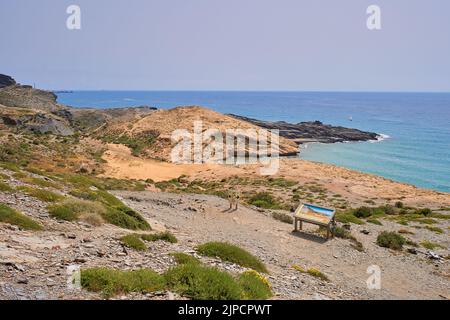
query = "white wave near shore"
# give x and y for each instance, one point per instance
(381, 137)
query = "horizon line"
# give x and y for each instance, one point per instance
(250, 91)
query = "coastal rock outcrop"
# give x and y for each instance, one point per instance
(6, 81)
(313, 131)
(26, 97)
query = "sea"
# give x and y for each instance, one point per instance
(414, 128)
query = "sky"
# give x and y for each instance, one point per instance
(301, 45)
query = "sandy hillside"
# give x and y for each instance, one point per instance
(354, 186)
(163, 123)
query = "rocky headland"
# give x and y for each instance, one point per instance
(313, 131)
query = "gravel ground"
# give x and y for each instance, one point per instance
(33, 265)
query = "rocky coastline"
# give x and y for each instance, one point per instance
(313, 131)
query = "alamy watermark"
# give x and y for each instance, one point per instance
(373, 22)
(374, 19)
(232, 146)
(374, 280)
(73, 277)
(73, 21)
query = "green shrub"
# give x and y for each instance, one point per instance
(127, 219)
(137, 143)
(4, 187)
(374, 221)
(389, 210)
(282, 182)
(312, 272)
(362, 212)
(203, 283)
(133, 241)
(4, 176)
(231, 253)
(431, 245)
(342, 233)
(347, 217)
(318, 274)
(74, 209)
(264, 200)
(162, 236)
(254, 286)
(41, 194)
(435, 229)
(298, 268)
(41, 182)
(440, 216)
(391, 240)
(184, 258)
(10, 166)
(13, 217)
(116, 213)
(425, 212)
(283, 217)
(113, 282)
(399, 205)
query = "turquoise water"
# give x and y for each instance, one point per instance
(418, 124)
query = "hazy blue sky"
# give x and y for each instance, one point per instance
(228, 45)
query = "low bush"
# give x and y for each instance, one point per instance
(184, 258)
(232, 253)
(312, 272)
(13, 217)
(112, 282)
(399, 205)
(10, 166)
(126, 218)
(318, 274)
(203, 283)
(264, 200)
(389, 210)
(4, 187)
(254, 286)
(347, 217)
(435, 229)
(374, 221)
(162, 236)
(283, 217)
(298, 268)
(431, 245)
(74, 209)
(133, 241)
(391, 240)
(41, 194)
(117, 213)
(363, 212)
(425, 212)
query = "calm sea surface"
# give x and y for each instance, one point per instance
(417, 125)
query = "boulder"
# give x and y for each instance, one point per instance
(6, 81)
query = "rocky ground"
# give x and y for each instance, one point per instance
(33, 265)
